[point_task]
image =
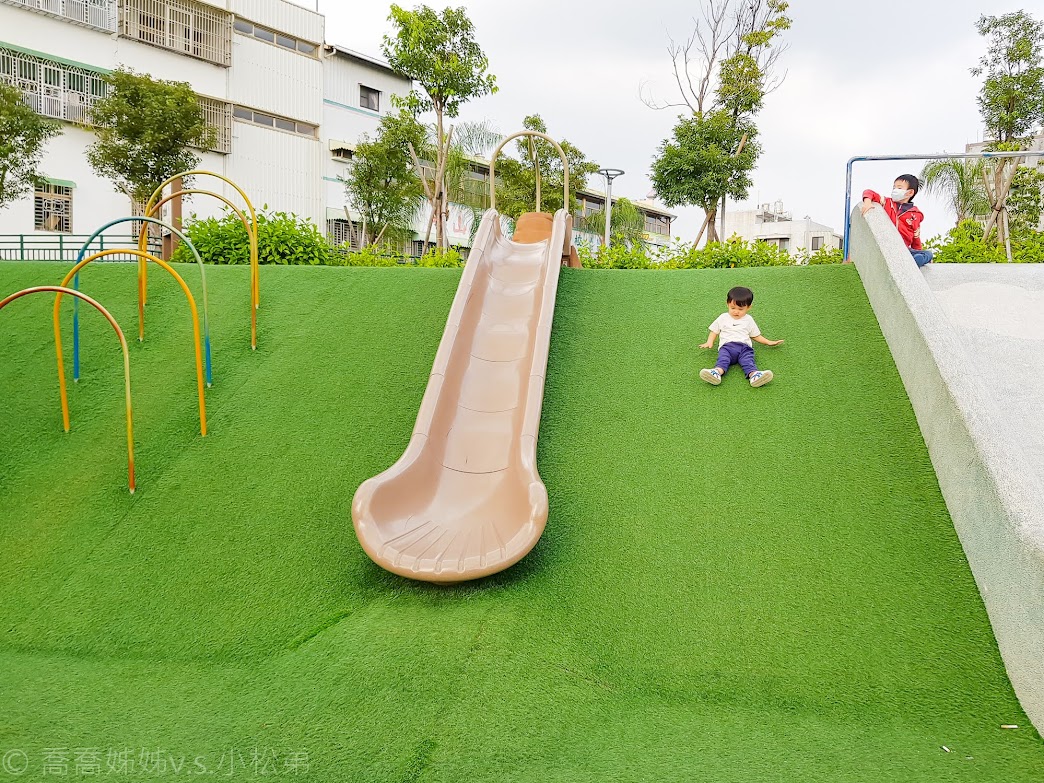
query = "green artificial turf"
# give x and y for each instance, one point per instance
(735, 584)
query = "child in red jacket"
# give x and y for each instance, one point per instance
(902, 212)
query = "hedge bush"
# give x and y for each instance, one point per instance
(964, 244)
(734, 253)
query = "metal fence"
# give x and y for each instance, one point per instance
(66, 247)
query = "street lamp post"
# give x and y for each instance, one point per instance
(610, 175)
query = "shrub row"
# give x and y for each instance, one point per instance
(734, 253)
(284, 238)
(964, 245)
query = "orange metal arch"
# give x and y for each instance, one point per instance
(255, 275)
(61, 367)
(251, 235)
(192, 306)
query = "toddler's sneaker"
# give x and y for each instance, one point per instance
(713, 377)
(760, 378)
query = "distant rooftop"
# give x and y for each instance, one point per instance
(364, 58)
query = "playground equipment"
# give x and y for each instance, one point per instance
(144, 257)
(141, 308)
(465, 499)
(157, 200)
(60, 290)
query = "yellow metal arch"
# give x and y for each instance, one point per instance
(143, 245)
(61, 365)
(144, 257)
(255, 276)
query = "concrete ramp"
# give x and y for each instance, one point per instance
(968, 341)
(998, 310)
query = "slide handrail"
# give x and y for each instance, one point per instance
(499, 149)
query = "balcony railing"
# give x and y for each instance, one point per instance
(182, 26)
(58, 90)
(100, 14)
(67, 92)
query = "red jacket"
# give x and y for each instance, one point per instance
(907, 218)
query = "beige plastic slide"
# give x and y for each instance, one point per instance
(465, 499)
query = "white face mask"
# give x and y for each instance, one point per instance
(899, 194)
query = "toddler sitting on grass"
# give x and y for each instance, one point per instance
(736, 329)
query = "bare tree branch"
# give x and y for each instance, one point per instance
(722, 30)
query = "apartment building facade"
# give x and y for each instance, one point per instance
(774, 225)
(256, 66)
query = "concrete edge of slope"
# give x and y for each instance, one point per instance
(993, 499)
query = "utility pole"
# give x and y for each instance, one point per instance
(610, 175)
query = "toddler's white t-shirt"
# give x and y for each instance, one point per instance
(735, 331)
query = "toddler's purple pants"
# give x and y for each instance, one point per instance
(736, 353)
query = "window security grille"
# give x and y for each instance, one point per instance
(52, 206)
(180, 25)
(93, 13)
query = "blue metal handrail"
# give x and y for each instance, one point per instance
(933, 156)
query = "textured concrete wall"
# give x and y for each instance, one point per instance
(994, 500)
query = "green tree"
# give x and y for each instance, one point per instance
(1025, 202)
(516, 190)
(723, 73)
(146, 129)
(440, 54)
(1011, 99)
(381, 183)
(471, 140)
(23, 134)
(703, 162)
(960, 182)
(626, 224)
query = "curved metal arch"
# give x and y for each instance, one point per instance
(192, 306)
(41, 289)
(255, 275)
(531, 134)
(143, 278)
(141, 309)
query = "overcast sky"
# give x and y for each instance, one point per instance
(883, 79)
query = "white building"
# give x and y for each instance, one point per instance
(357, 91)
(288, 111)
(256, 65)
(772, 224)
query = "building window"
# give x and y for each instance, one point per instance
(179, 25)
(52, 206)
(243, 114)
(93, 13)
(369, 98)
(658, 224)
(281, 40)
(475, 190)
(341, 232)
(218, 115)
(817, 243)
(342, 154)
